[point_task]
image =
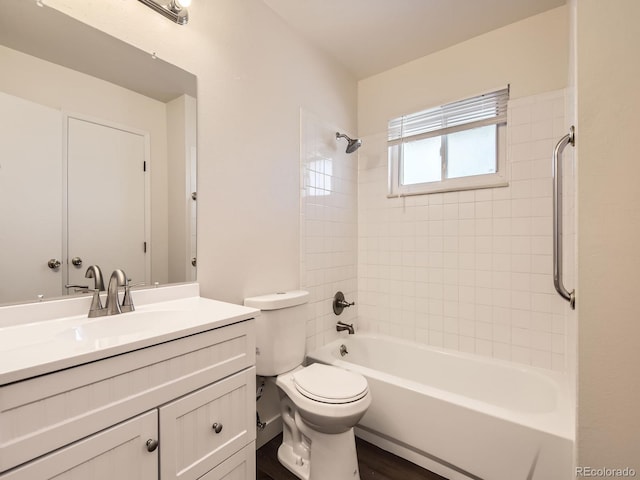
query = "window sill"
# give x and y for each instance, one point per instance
(453, 185)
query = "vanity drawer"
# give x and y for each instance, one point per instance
(239, 466)
(200, 430)
(48, 412)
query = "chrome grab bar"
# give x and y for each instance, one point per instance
(568, 139)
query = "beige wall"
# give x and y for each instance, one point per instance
(531, 55)
(608, 100)
(254, 74)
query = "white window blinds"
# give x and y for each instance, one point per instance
(487, 109)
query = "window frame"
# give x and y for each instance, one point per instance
(472, 182)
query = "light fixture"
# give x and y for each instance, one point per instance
(175, 10)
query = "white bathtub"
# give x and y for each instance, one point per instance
(460, 415)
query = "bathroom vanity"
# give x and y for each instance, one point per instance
(164, 392)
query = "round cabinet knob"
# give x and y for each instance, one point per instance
(217, 427)
(54, 263)
(77, 261)
(151, 445)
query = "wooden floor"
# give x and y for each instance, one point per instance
(374, 463)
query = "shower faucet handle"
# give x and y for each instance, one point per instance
(344, 303)
(339, 303)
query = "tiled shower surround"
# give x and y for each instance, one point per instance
(468, 271)
(471, 270)
(328, 226)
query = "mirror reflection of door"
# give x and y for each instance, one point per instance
(191, 231)
(107, 200)
(30, 199)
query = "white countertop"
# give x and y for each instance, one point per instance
(43, 346)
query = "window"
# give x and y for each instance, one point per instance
(458, 146)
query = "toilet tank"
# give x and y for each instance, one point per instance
(280, 331)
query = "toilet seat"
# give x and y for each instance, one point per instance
(327, 384)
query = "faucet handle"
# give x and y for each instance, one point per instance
(78, 288)
(127, 300)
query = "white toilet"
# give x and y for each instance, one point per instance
(320, 404)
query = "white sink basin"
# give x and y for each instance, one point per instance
(29, 349)
(100, 331)
(104, 331)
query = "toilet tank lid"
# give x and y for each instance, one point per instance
(274, 301)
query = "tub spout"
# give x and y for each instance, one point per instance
(341, 326)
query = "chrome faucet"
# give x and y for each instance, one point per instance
(118, 279)
(112, 306)
(341, 326)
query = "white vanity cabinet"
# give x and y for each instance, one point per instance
(193, 395)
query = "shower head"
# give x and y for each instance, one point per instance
(353, 144)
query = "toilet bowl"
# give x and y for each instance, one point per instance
(330, 399)
(319, 404)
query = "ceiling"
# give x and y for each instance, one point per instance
(371, 36)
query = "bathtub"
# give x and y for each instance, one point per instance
(460, 415)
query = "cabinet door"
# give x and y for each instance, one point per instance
(204, 428)
(239, 466)
(117, 453)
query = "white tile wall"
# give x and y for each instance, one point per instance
(471, 270)
(328, 226)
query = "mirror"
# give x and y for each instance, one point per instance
(97, 158)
